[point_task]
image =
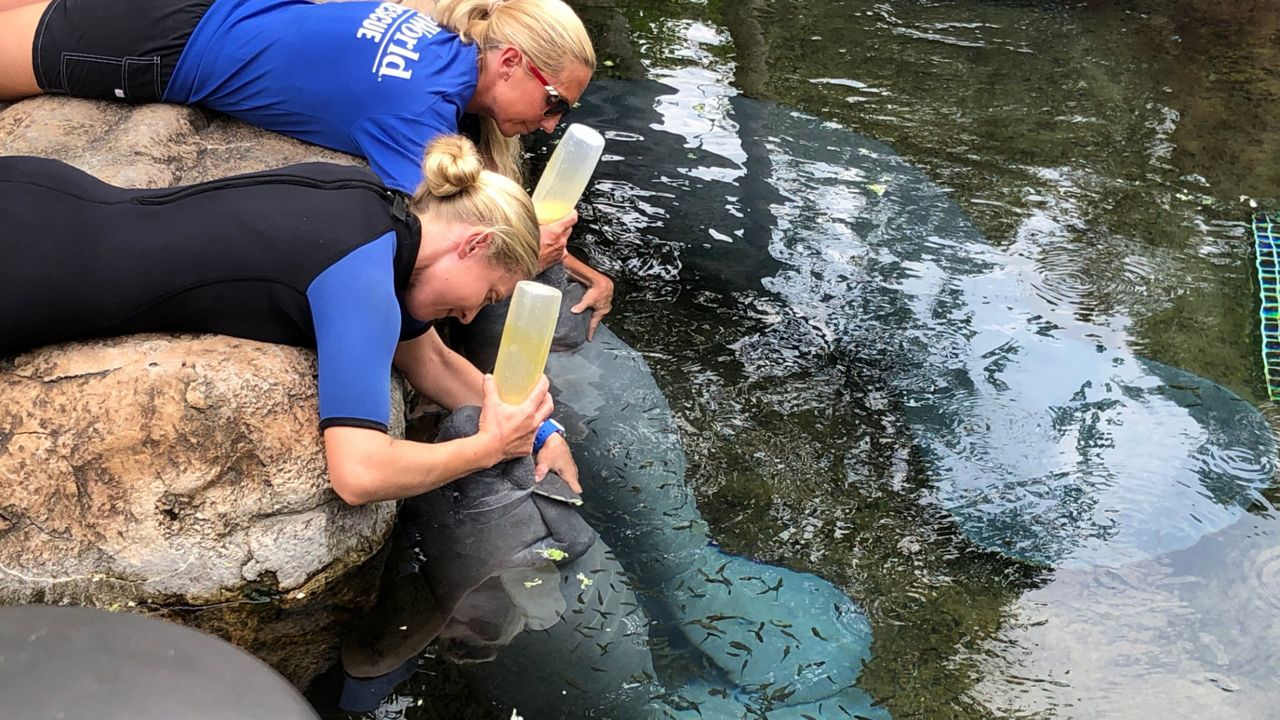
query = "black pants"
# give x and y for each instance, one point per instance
(113, 49)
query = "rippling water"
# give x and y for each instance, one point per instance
(1107, 152)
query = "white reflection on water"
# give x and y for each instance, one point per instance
(1189, 635)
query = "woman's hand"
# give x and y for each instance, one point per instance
(554, 240)
(555, 457)
(511, 428)
(598, 297)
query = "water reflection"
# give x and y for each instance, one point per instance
(1043, 437)
(1048, 439)
(1188, 635)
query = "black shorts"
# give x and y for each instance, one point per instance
(113, 49)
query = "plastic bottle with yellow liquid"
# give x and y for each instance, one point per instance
(567, 173)
(526, 340)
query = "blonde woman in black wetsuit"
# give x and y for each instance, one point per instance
(313, 255)
(375, 79)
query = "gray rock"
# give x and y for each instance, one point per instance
(177, 475)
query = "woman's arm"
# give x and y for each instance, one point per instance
(599, 294)
(367, 465)
(441, 375)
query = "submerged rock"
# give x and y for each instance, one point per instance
(178, 475)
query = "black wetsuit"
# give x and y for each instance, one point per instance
(315, 255)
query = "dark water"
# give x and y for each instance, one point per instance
(1075, 174)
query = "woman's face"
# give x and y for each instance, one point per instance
(459, 283)
(520, 101)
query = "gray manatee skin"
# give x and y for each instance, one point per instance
(776, 639)
(770, 631)
(485, 547)
(1047, 438)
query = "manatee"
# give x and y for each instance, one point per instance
(777, 638)
(1048, 439)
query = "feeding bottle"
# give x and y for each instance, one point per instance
(567, 173)
(526, 340)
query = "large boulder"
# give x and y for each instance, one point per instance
(177, 475)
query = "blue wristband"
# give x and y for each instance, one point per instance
(548, 428)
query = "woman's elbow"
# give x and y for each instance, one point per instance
(354, 485)
(352, 456)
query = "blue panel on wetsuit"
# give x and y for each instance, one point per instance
(358, 323)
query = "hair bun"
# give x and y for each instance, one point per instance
(451, 166)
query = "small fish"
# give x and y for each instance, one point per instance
(772, 589)
(718, 580)
(782, 693)
(571, 683)
(704, 624)
(740, 646)
(817, 634)
(716, 617)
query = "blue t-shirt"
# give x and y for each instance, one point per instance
(373, 79)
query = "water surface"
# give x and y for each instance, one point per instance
(1101, 151)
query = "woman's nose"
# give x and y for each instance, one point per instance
(549, 124)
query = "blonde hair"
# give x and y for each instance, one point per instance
(456, 188)
(548, 32)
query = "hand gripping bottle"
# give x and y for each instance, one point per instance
(567, 173)
(526, 340)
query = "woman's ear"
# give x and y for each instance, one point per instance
(509, 58)
(475, 241)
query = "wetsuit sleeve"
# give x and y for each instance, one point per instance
(358, 325)
(395, 144)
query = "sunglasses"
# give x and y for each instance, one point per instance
(556, 104)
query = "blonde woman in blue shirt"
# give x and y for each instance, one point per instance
(375, 79)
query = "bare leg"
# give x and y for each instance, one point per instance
(17, 33)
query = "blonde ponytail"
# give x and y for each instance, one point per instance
(456, 188)
(548, 32)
